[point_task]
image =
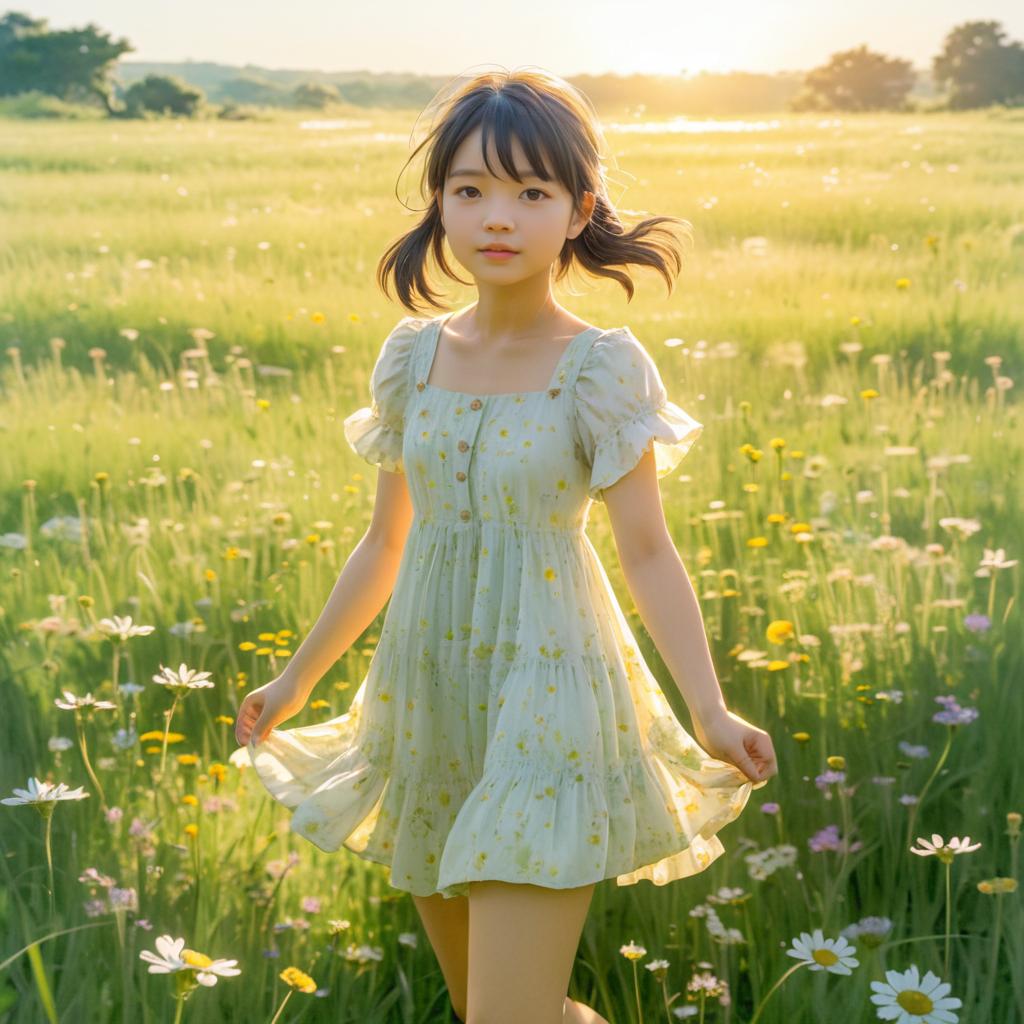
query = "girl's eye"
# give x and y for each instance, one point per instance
(459, 191)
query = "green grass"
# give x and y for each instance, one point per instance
(225, 511)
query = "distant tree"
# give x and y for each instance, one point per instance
(72, 64)
(857, 80)
(163, 94)
(315, 94)
(252, 90)
(978, 68)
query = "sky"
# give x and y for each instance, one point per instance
(566, 37)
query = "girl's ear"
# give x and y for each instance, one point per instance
(581, 219)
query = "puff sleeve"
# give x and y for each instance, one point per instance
(375, 431)
(621, 407)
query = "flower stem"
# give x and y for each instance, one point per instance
(636, 990)
(768, 994)
(931, 778)
(281, 1007)
(949, 911)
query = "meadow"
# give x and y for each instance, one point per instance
(188, 312)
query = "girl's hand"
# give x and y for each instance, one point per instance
(264, 708)
(730, 738)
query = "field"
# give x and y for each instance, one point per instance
(189, 311)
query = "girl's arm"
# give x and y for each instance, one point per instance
(363, 586)
(671, 613)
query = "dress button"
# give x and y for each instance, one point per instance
(475, 404)
(420, 385)
(554, 392)
(463, 446)
(460, 475)
(464, 514)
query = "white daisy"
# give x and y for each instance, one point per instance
(903, 997)
(938, 847)
(40, 792)
(71, 702)
(172, 957)
(184, 679)
(821, 954)
(122, 627)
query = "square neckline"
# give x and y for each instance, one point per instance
(437, 325)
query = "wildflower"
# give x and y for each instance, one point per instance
(997, 886)
(911, 750)
(631, 951)
(183, 680)
(871, 931)
(71, 702)
(821, 954)
(770, 808)
(977, 623)
(171, 957)
(944, 851)
(826, 779)
(297, 979)
(43, 795)
(659, 968)
(904, 997)
(122, 628)
(953, 713)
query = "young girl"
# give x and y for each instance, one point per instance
(509, 747)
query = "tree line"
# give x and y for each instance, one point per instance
(977, 66)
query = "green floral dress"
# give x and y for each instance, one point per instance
(508, 727)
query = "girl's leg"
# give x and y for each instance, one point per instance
(446, 922)
(522, 943)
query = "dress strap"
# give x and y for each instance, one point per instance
(421, 355)
(575, 359)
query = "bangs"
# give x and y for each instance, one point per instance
(502, 117)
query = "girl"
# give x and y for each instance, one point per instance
(509, 747)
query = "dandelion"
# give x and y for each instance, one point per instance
(44, 797)
(906, 998)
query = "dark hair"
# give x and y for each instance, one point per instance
(552, 119)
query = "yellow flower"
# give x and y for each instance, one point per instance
(801, 737)
(158, 734)
(224, 720)
(854, 320)
(779, 630)
(319, 703)
(869, 393)
(218, 771)
(777, 665)
(997, 886)
(190, 800)
(778, 443)
(298, 979)
(188, 759)
(317, 318)
(191, 831)
(836, 762)
(757, 542)
(903, 282)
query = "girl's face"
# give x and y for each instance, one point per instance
(534, 217)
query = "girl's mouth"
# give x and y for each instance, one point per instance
(498, 254)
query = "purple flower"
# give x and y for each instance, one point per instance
(908, 799)
(978, 623)
(827, 778)
(911, 750)
(953, 713)
(828, 839)
(770, 808)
